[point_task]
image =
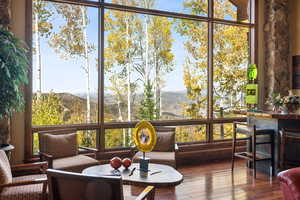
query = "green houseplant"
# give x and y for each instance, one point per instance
(13, 74)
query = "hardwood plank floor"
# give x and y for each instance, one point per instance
(214, 181)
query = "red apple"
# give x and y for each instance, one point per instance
(126, 162)
(115, 162)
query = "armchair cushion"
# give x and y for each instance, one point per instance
(61, 145)
(290, 183)
(166, 158)
(24, 192)
(75, 163)
(165, 142)
(5, 171)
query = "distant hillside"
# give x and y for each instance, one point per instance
(171, 103)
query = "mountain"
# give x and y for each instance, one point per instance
(171, 102)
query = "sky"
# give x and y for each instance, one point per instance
(59, 75)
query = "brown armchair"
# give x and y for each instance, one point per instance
(60, 149)
(67, 185)
(165, 149)
(30, 187)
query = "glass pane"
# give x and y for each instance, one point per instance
(193, 7)
(35, 143)
(231, 53)
(155, 67)
(65, 80)
(118, 138)
(224, 131)
(234, 10)
(87, 138)
(190, 133)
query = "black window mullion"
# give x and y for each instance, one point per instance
(210, 71)
(101, 136)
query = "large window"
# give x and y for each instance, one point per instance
(101, 66)
(150, 69)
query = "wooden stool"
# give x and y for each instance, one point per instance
(251, 135)
(288, 156)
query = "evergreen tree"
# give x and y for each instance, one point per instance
(147, 109)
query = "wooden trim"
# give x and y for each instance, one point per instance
(119, 125)
(256, 30)
(28, 137)
(92, 126)
(153, 12)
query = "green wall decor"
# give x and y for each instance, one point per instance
(252, 94)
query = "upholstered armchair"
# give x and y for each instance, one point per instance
(290, 183)
(60, 149)
(29, 187)
(67, 185)
(165, 149)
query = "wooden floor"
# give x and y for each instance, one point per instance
(215, 181)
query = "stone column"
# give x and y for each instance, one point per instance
(277, 50)
(5, 13)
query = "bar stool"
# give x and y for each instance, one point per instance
(251, 135)
(289, 148)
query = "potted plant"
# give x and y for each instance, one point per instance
(291, 102)
(13, 74)
(275, 101)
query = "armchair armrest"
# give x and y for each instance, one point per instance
(28, 182)
(241, 123)
(176, 148)
(88, 151)
(42, 166)
(148, 193)
(47, 157)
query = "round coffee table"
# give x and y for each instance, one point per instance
(158, 175)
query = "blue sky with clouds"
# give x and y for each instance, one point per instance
(61, 75)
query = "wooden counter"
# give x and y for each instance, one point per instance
(273, 115)
(275, 121)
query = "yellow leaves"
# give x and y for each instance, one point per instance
(47, 110)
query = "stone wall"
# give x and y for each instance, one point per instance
(5, 13)
(277, 51)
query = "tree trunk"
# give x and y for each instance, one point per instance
(147, 51)
(38, 55)
(126, 136)
(157, 88)
(87, 66)
(87, 71)
(4, 132)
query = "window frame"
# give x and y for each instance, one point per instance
(100, 126)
